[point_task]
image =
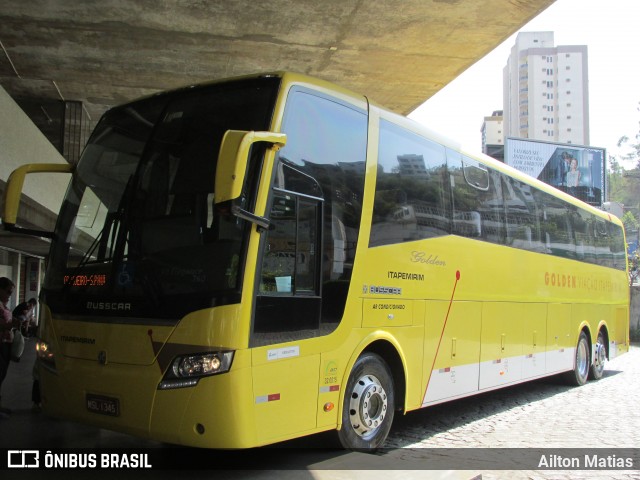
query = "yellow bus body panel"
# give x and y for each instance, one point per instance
(462, 316)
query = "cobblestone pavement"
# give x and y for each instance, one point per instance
(541, 414)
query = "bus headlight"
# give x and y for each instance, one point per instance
(44, 351)
(186, 370)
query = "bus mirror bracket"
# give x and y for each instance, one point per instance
(13, 192)
(261, 222)
(233, 160)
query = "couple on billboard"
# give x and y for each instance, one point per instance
(565, 171)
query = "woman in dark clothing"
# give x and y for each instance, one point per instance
(7, 323)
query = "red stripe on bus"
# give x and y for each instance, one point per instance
(441, 334)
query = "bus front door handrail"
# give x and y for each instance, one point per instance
(262, 222)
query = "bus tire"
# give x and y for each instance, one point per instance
(580, 373)
(599, 358)
(369, 403)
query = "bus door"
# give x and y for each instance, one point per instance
(287, 308)
(307, 258)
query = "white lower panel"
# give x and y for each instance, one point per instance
(500, 372)
(534, 365)
(457, 382)
(451, 382)
(560, 360)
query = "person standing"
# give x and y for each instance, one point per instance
(25, 312)
(7, 323)
(573, 177)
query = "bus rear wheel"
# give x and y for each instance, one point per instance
(369, 403)
(599, 358)
(580, 373)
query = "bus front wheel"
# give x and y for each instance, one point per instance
(582, 362)
(367, 411)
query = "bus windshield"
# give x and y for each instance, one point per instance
(138, 225)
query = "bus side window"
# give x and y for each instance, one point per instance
(603, 246)
(583, 232)
(280, 247)
(478, 210)
(290, 264)
(412, 193)
(618, 250)
(558, 228)
(522, 215)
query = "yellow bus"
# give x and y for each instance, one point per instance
(262, 258)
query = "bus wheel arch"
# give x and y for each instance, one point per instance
(373, 391)
(392, 358)
(600, 354)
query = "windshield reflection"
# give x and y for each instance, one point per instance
(138, 221)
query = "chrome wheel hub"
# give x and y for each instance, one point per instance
(368, 406)
(600, 356)
(582, 359)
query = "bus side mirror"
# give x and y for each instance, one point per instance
(234, 158)
(13, 191)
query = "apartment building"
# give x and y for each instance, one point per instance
(546, 90)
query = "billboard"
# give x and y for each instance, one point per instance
(577, 170)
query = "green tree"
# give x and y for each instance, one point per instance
(624, 185)
(630, 221)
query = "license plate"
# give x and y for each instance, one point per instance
(103, 405)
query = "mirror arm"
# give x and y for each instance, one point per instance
(261, 222)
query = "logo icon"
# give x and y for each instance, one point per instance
(23, 459)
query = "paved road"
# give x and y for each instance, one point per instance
(542, 414)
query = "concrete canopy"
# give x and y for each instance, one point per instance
(397, 52)
(103, 53)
